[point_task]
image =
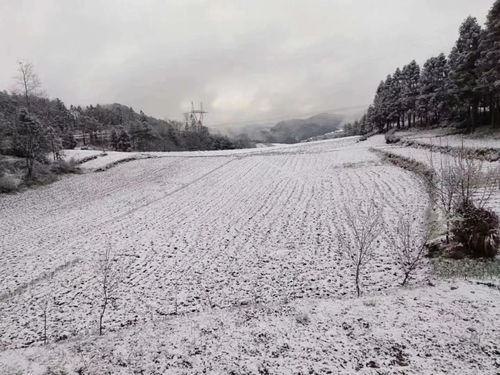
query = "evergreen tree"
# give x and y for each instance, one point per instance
(395, 102)
(124, 141)
(432, 101)
(69, 141)
(463, 73)
(488, 64)
(410, 92)
(30, 140)
(114, 139)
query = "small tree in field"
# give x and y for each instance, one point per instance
(109, 276)
(408, 245)
(445, 188)
(43, 303)
(364, 220)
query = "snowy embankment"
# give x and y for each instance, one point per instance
(93, 160)
(438, 159)
(481, 146)
(439, 137)
(209, 235)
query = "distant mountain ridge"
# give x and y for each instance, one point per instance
(297, 130)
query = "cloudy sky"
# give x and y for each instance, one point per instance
(247, 60)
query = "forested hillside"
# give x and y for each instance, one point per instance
(462, 88)
(54, 126)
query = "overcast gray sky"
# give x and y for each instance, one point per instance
(245, 59)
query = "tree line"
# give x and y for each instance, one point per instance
(462, 88)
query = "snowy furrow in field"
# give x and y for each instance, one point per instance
(68, 210)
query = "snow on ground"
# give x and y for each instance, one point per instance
(78, 155)
(235, 240)
(450, 328)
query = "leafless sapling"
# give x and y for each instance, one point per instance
(408, 244)
(357, 245)
(109, 277)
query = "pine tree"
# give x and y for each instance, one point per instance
(432, 101)
(463, 73)
(488, 64)
(69, 141)
(395, 103)
(114, 139)
(411, 89)
(124, 141)
(30, 140)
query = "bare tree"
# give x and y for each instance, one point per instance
(27, 81)
(461, 179)
(445, 188)
(364, 220)
(408, 244)
(110, 275)
(43, 302)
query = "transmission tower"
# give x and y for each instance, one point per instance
(194, 118)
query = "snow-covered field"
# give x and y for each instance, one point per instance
(235, 240)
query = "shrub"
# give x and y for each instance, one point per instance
(390, 137)
(64, 167)
(9, 183)
(41, 175)
(477, 230)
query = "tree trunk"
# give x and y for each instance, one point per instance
(474, 110)
(101, 316)
(497, 110)
(407, 275)
(358, 289)
(45, 327)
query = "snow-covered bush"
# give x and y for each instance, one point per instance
(477, 230)
(390, 137)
